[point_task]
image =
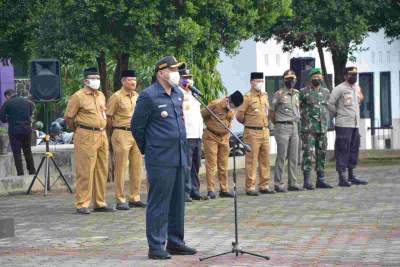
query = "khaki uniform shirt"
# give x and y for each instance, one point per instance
(219, 107)
(255, 108)
(286, 105)
(121, 106)
(344, 105)
(87, 108)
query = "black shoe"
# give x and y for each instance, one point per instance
(295, 188)
(137, 204)
(307, 181)
(188, 199)
(195, 196)
(280, 189)
(226, 194)
(357, 181)
(343, 182)
(84, 211)
(159, 255)
(252, 193)
(181, 250)
(104, 209)
(211, 195)
(322, 184)
(122, 206)
(266, 191)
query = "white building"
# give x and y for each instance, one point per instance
(378, 63)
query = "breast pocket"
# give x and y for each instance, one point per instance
(347, 99)
(89, 106)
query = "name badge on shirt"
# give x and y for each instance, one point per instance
(162, 106)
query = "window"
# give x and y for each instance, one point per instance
(388, 57)
(367, 87)
(380, 57)
(373, 57)
(273, 83)
(278, 59)
(385, 97)
(266, 60)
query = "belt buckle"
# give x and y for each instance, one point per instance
(101, 129)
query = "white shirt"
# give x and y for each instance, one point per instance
(192, 115)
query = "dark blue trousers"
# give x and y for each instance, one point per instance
(347, 146)
(22, 141)
(165, 206)
(192, 182)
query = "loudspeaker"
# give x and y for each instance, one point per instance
(45, 80)
(301, 66)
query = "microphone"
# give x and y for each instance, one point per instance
(194, 90)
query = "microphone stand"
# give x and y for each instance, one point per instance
(235, 245)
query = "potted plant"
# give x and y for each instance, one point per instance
(4, 141)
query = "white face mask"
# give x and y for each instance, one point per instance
(259, 86)
(174, 78)
(94, 83)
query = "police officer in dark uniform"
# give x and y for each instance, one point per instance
(159, 130)
(17, 111)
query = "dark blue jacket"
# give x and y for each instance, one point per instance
(17, 111)
(158, 127)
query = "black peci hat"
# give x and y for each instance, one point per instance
(350, 70)
(183, 71)
(236, 98)
(90, 71)
(256, 75)
(128, 73)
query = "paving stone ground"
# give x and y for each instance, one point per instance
(357, 226)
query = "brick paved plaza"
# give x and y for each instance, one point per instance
(357, 226)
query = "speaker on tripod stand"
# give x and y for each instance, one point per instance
(46, 88)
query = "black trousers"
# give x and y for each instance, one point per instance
(192, 182)
(347, 146)
(23, 141)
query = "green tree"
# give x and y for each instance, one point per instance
(338, 25)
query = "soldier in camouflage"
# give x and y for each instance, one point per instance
(313, 129)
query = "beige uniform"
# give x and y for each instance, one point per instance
(120, 107)
(216, 144)
(88, 109)
(256, 133)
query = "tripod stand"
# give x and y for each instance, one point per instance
(47, 157)
(235, 245)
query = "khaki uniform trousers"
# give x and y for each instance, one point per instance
(126, 152)
(259, 143)
(91, 167)
(216, 150)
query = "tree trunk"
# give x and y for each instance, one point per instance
(339, 59)
(122, 64)
(102, 65)
(323, 64)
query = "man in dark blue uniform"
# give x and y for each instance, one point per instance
(17, 111)
(159, 130)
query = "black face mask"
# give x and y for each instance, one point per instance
(290, 84)
(352, 79)
(316, 82)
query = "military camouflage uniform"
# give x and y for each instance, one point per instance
(314, 126)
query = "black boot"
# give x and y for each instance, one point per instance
(354, 180)
(321, 183)
(343, 179)
(307, 181)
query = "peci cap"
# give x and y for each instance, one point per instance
(236, 98)
(185, 72)
(256, 75)
(128, 73)
(167, 62)
(314, 71)
(90, 71)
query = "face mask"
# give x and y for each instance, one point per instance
(259, 86)
(174, 78)
(316, 82)
(352, 79)
(289, 84)
(94, 84)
